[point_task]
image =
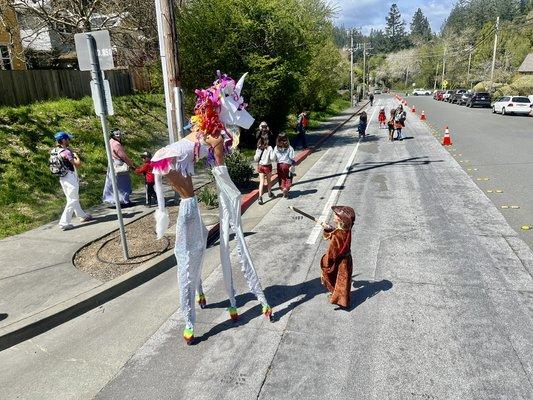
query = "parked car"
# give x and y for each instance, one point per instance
(464, 98)
(447, 94)
(421, 92)
(479, 99)
(512, 105)
(377, 91)
(438, 95)
(454, 99)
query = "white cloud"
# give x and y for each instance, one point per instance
(368, 14)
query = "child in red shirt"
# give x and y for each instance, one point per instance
(146, 170)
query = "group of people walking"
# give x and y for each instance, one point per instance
(64, 163)
(395, 123)
(282, 154)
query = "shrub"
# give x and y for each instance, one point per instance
(208, 196)
(239, 168)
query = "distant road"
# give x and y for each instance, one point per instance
(500, 147)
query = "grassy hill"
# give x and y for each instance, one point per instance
(29, 194)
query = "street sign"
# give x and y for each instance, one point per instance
(444, 84)
(98, 106)
(103, 49)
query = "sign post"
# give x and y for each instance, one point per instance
(95, 54)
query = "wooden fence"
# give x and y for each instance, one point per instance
(25, 87)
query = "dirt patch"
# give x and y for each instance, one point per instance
(103, 259)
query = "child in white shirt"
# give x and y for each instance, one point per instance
(284, 155)
(263, 157)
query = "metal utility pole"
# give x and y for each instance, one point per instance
(494, 53)
(98, 79)
(168, 43)
(443, 68)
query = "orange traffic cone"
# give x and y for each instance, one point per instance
(423, 116)
(413, 109)
(446, 140)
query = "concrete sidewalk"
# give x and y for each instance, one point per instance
(38, 279)
(37, 271)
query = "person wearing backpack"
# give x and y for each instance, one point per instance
(63, 163)
(302, 122)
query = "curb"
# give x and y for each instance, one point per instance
(80, 304)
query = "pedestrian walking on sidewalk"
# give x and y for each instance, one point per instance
(146, 170)
(122, 164)
(284, 156)
(399, 122)
(390, 124)
(63, 163)
(337, 264)
(371, 98)
(302, 122)
(263, 157)
(361, 127)
(382, 118)
(264, 129)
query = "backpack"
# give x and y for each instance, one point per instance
(56, 164)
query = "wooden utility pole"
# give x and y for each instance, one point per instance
(351, 68)
(494, 54)
(443, 68)
(436, 76)
(168, 48)
(364, 69)
(469, 63)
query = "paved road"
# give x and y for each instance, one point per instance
(498, 147)
(442, 299)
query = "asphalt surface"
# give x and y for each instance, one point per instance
(442, 299)
(491, 146)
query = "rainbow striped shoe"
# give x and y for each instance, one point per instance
(188, 335)
(200, 298)
(233, 314)
(267, 312)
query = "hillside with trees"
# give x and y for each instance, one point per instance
(400, 58)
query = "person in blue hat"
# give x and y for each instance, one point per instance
(66, 162)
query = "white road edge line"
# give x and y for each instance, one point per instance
(315, 233)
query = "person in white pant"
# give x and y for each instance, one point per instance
(69, 182)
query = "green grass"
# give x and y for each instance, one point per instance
(29, 194)
(317, 117)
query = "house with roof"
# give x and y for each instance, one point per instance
(11, 51)
(526, 68)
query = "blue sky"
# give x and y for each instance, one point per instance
(367, 14)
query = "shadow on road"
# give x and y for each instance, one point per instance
(365, 290)
(299, 293)
(412, 161)
(297, 193)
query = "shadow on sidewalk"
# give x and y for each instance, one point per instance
(3, 316)
(106, 218)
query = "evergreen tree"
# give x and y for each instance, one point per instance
(395, 28)
(420, 28)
